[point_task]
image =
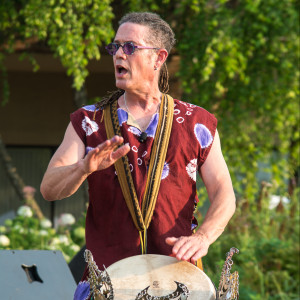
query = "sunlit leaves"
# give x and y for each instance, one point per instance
(239, 60)
(73, 29)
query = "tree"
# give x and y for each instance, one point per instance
(72, 29)
(239, 60)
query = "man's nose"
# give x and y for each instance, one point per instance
(120, 52)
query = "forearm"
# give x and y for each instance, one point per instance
(60, 182)
(216, 177)
(218, 215)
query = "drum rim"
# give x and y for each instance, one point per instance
(212, 285)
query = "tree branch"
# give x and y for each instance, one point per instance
(18, 182)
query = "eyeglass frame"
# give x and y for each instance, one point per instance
(126, 43)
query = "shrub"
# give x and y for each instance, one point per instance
(268, 240)
(26, 231)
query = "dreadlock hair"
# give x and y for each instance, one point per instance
(161, 35)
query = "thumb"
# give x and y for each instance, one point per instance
(171, 240)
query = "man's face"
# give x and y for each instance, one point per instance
(134, 72)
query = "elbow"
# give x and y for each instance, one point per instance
(46, 192)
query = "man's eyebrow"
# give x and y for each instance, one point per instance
(118, 42)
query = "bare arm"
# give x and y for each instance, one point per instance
(218, 184)
(69, 166)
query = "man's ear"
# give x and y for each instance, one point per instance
(162, 55)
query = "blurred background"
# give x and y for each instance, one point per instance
(238, 59)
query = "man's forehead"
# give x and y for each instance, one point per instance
(131, 32)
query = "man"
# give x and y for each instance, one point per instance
(115, 227)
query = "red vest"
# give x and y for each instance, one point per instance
(110, 232)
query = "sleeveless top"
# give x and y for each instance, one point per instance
(110, 231)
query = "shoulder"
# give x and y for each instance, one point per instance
(183, 105)
(89, 113)
(88, 110)
(86, 120)
(193, 113)
(199, 124)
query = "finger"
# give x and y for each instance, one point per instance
(91, 154)
(179, 246)
(189, 252)
(120, 152)
(117, 140)
(102, 150)
(171, 240)
(111, 144)
(200, 253)
(106, 148)
(183, 250)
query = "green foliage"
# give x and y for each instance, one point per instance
(72, 29)
(239, 60)
(25, 231)
(268, 240)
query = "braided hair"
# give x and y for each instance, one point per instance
(161, 34)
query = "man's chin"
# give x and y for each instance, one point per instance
(121, 84)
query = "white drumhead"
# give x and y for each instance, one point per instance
(133, 274)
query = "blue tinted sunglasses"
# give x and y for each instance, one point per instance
(128, 48)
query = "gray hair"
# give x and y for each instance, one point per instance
(160, 30)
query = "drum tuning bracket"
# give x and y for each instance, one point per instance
(181, 293)
(229, 282)
(100, 284)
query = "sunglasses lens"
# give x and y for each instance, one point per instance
(112, 48)
(128, 48)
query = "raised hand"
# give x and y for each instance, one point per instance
(104, 155)
(69, 166)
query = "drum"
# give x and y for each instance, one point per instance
(150, 276)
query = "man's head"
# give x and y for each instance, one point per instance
(161, 35)
(148, 40)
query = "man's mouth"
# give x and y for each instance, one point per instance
(121, 70)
